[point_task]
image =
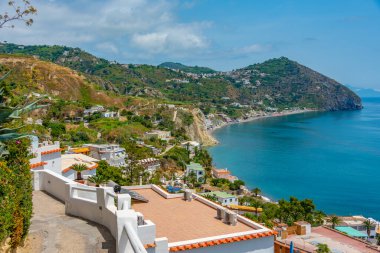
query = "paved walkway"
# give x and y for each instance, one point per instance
(53, 231)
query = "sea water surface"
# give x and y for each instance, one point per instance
(331, 157)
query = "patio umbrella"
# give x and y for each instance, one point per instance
(291, 247)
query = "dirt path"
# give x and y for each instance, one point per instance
(53, 231)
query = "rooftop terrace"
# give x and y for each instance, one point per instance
(180, 220)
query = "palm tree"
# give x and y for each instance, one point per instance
(335, 220)
(256, 191)
(98, 180)
(368, 224)
(256, 204)
(323, 248)
(79, 167)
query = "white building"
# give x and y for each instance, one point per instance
(93, 109)
(197, 170)
(47, 155)
(191, 146)
(110, 114)
(224, 198)
(112, 153)
(68, 160)
(157, 134)
(150, 164)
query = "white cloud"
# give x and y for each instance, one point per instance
(138, 26)
(252, 49)
(107, 47)
(176, 39)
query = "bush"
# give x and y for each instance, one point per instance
(15, 192)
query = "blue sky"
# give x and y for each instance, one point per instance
(340, 39)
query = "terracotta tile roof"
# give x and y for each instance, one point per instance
(36, 165)
(149, 245)
(51, 151)
(221, 241)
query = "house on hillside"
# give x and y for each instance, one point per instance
(197, 170)
(223, 173)
(150, 164)
(113, 154)
(224, 198)
(191, 146)
(157, 134)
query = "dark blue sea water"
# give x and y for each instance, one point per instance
(332, 158)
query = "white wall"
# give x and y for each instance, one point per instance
(96, 204)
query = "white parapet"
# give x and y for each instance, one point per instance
(97, 204)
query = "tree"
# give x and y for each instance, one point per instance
(256, 204)
(323, 248)
(7, 114)
(98, 180)
(256, 191)
(334, 220)
(378, 239)
(368, 224)
(18, 13)
(79, 167)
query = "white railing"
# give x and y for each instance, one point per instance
(95, 204)
(137, 246)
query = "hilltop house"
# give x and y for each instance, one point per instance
(223, 173)
(197, 170)
(157, 134)
(224, 198)
(191, 146)
(93, 109)
(150, 164)
(113, 154)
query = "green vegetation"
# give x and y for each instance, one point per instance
(277, 83)
(368, 224)
(98, 179)
(225, 184)
(188, 69)
(334, 220)
(323, 248)
(285, 211)
(79, 167)
(15, 192)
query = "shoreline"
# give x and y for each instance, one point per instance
(253, 118)
(250, 119)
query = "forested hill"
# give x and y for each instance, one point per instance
(273, 85)
(188, 69)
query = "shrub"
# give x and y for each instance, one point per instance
(15, 192)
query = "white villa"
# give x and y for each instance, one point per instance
(224, 198)
(197, 170)
(112, 153)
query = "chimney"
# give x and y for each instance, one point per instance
(140, 219)
(220, 213)
(233, 219)
(187, 195)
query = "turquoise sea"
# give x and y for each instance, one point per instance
(331, 157)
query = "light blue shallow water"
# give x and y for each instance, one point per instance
(332, 158)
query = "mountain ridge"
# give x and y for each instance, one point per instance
(273, 85)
